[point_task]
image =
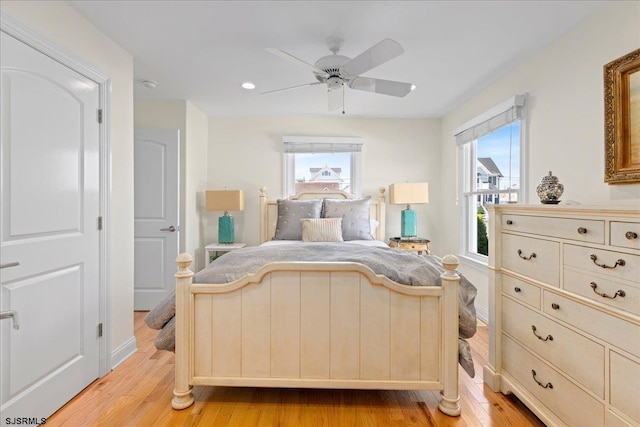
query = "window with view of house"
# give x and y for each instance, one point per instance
(321, 163)
(492, 168)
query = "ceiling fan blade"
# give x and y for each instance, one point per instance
(289, 57)
(334, 99)
(376, 55)
(292, 87)
(386, 87)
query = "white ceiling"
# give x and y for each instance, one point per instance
(202, 51)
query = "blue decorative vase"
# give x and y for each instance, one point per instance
(408, 223)
(225, 229)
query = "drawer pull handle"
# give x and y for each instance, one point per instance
(555, 306)
(548, 338)
(619, 262)
(619, 292)
(509, 222)
(547, 385)
(517, 289)
(533, 255)
(630, 235)
(582, 230)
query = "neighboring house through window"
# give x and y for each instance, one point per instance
(321, 163)
(492, 170)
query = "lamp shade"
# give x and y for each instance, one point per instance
(225, 200)
(409, 193)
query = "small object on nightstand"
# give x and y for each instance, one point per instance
(416, 244)
(217, 248)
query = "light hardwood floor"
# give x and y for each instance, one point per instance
(139, 392)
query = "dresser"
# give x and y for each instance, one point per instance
(564, 312)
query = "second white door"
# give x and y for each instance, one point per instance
(156, 207)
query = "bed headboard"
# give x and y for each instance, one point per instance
(269, 209)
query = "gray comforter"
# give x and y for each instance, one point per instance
(400, 266)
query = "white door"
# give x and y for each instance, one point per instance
(49, 238)
(156, 180)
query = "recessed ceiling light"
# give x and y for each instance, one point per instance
(248, 85)
(413, 87)
(149, 84)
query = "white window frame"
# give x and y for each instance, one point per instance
(509, 111)
(321, 144)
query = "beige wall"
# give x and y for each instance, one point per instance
(196, 167)
(192, 124)
(61, 24)
(566, 117)
(246, 153)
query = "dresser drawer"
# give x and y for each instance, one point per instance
(625, 385)
(625, 234)
(619, 332)
(614, 264)
(535, 258)
(522, 291)
(578, 357)
(605, 291)
(565, 399)
(583, 230)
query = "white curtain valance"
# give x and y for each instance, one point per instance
(499, 116)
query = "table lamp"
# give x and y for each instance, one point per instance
(409, 194)
(225, 200)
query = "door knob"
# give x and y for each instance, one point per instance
(11, 314)
(171, 229)
(9, 264)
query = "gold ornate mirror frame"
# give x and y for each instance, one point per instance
(622, 119)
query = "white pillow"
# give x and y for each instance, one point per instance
(321, 229)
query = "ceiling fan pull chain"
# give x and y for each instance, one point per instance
(343, 98)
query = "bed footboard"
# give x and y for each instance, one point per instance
(317, 325)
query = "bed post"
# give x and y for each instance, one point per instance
(450, 402)
(182, 395)
(381, 214)
(263, 215)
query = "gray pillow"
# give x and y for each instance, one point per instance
(290, 212)
(355, 217)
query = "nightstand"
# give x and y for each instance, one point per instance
(217, 248)
(415, 244)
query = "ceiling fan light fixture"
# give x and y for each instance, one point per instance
(413, 87)
(334, 83)
(248, 85)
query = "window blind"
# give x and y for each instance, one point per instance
(505, 113)
(321, 145)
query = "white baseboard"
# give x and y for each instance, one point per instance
(482, 313)
(122, 353)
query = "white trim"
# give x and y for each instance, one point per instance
(123, 352)
(482, 313)
(26, 35)
(514, 101)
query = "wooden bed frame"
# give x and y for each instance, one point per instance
(317, 325)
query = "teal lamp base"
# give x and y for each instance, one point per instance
(225, 229)
(408, 224)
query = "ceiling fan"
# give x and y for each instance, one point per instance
(338, 71)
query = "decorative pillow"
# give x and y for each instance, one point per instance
(290, 212)
(322, 230)
(374, 225)
(354, 214)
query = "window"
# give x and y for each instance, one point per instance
(321, 163)
(492, 159)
